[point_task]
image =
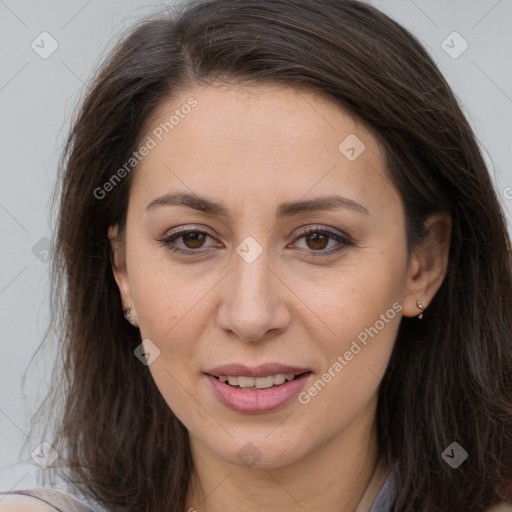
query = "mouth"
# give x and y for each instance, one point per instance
(248, 383)
(258, 390)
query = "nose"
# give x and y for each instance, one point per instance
(253, 305)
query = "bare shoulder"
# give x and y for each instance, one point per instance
(40, 499)
(19, 503)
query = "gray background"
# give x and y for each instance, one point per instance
(37, 97)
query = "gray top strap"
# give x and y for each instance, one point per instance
(57, 499)
(64, 503)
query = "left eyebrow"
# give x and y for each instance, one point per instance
(318, 204)
(287, 209)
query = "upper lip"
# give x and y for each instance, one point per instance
(263, 370)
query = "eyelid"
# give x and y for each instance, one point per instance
(323, 229)
(187, 229)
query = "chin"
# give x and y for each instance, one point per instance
(260, 451)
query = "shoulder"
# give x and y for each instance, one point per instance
(21, 503)
(40, 500)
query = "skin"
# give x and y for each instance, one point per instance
(252, 148)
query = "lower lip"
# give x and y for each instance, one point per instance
(260, 401)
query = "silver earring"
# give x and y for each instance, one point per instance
(128, 316)
(418, 303)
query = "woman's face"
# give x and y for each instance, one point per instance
(259, 167)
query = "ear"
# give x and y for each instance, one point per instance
(428, 264)
(118, 261)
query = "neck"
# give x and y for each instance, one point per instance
(342, 475)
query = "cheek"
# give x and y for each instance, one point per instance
(173, 304)
(172, 312)
(168, 296)
(347, 300)
(359, 312)
(355, 360)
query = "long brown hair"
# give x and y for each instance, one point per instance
(450, 375)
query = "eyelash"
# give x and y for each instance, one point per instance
(344, 240)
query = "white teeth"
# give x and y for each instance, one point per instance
(264, 382)
(245, 382)
(258, 382)
(279, 378)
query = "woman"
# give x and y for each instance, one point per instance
(287, 273)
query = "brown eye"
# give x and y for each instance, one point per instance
(194, 240)
(317, 241)
(188, 242)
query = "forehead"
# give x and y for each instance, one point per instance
(228, 114)
(260, 139)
